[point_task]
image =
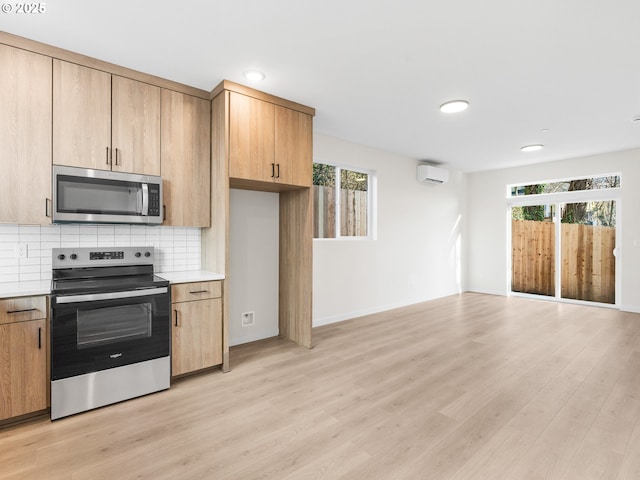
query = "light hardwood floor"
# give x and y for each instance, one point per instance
(465, 387)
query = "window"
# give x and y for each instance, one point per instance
(572, 185)
(342, 202)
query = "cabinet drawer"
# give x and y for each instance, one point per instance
(22, 309)
(186, 292)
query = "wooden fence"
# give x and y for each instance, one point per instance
(353, 212)
(588, 263)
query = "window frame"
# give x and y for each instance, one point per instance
(371, 201)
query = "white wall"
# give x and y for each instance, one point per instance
(487, 254)
(418, 252)
(253, 264)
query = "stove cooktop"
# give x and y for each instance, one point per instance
(112, 269)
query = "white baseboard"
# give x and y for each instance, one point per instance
(500, 293)
(253, 338)
(318, 322)
(629, 308)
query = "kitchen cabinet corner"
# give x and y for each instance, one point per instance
(196, 339)
(185, 154)
(23, 356)
(25, 136)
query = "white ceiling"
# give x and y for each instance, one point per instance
(377, 70)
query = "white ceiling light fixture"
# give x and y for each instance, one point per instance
(454, 106)
(532, 148)
(254, 75)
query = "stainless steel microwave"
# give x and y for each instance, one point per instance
(83, 195)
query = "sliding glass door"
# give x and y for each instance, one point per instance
(563, 238)
(533, 250)
(588, 237)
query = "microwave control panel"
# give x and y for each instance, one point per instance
(154, 200)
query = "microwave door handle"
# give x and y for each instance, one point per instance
(145, 199)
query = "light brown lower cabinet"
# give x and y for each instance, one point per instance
(197, 326)
(23, 356)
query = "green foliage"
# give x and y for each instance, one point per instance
(534, 212)
(324, 175)
(353, 180)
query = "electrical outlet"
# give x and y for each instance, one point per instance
(248, 319)
(22, 250)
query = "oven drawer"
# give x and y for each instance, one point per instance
(23, 309)
(186, 292)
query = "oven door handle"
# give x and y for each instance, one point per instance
(110, 296)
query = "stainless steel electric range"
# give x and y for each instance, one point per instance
(110, 328)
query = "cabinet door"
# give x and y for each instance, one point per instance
(136, 127)
(23, 368)
(251, 138)
(81, 116)
(186, 159)
(25, 136)
(196, 335)
(293, 147)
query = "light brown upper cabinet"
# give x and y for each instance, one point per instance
(268, 143)
(25, 136)
(104, 121)
(293, 146)
(186, 159)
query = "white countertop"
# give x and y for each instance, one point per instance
(25, 289)
(43, 287)
(190, 276)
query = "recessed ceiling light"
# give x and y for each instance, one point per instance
(636, 119)
(254, 75)
(531, 148)
(545, 130)
(454, 106)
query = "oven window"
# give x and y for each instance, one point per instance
(102, 326)
(97, 195)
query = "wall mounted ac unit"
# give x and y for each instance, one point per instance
(431, 174)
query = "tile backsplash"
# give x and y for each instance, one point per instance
(177, 249)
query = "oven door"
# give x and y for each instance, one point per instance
(99, 331)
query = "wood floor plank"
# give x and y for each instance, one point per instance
(467, 387)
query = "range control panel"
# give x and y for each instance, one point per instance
(106, 255)
(95, 257)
